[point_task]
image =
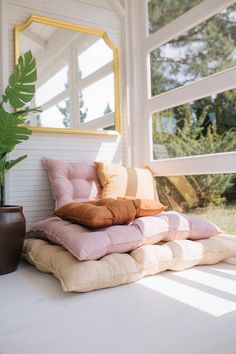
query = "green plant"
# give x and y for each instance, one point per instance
(19, 92)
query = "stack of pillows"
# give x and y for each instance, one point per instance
(117, 223)
(98, 195)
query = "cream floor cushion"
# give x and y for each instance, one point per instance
(116, 269)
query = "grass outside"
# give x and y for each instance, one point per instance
(223, 216)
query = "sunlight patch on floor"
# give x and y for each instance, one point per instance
(218, 282)
(192, 295)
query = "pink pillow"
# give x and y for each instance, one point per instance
(86, 244)
(201, 228)
(72, 181)
(177, 226)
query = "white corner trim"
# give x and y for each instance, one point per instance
(134, 82)
(4, 43)
(4, 70)
(117, 7)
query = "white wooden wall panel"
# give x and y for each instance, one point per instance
(28, 183)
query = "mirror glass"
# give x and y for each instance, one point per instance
(78, 76)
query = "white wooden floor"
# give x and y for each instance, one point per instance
(187, 312)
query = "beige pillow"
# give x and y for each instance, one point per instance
(115, 269)
(119, 181)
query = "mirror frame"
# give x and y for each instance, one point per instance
(84, 29)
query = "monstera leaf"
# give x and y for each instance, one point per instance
(21, 86)
(12, 163)
(11, 132)
(25, 112)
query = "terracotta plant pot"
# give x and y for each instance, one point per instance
(12, 233)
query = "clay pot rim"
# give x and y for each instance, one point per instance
(10, 208)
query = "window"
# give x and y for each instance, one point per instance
(211, 196)
(94, 58)
(56, 116)
(204, 126)
(161, 12)
(203, 50)
(190, 61)
(103, 98)
(187, 107)
(53, 86)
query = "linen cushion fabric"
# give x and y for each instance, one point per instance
(116, 269)
(72, 181)
(108, 211)
(119, 181)
(86, 244)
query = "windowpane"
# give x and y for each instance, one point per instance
(210, 196)
(202, 51)
(203, 126)
(52, 87)
(97, 100)
(161, 12)
(96, 56)
(57, 116)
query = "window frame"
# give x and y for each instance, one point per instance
(219, 82)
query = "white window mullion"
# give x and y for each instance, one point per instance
(195, 165)
(56, 99)
(99, 123)
(95, 76)
(185, 22)
(222, 81)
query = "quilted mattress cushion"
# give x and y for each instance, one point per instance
(116, 269)
(86, 244)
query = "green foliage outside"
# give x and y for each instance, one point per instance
(223, 216)
(20, 91)
(204, 126)
(195, 139)
(199, 52)
(162, 12)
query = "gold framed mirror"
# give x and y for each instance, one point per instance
(78, 76)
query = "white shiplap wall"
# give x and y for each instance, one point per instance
(27, 183)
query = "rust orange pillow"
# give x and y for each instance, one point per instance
(98, 214)
(108, 211)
